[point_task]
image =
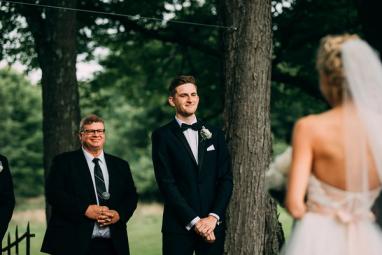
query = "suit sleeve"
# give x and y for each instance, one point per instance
(58, 191)
(224, 178)
(166, 181)
(7, 197)
(127, 207)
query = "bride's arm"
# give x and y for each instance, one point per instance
(300, 168)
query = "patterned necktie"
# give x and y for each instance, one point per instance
(99, 181)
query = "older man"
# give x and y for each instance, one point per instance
(92, 195)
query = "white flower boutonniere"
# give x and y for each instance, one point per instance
(277, 174)
(1, 166)
(205, 133)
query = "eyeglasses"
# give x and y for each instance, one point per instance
(93, 131)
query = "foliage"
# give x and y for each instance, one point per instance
(131, 95)
(21, 136)
(144, 55)
(297, 31)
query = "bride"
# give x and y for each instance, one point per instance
(336, 171)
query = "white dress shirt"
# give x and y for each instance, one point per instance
(192, 137)
(103, 232)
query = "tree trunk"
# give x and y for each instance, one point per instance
(55, 33)
(253, 227)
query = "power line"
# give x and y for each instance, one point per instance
(135, 17)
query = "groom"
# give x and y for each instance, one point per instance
(192, 169)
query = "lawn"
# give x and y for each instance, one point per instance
(143, 227)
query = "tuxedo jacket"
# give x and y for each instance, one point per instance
(69, 190)
(191, 189)
(7, 197)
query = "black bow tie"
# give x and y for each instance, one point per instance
(195, 126)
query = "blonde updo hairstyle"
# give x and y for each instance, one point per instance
(330, 67)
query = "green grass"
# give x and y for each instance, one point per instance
(143, 228)
(286, 221)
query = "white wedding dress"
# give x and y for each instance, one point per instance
(337, 222)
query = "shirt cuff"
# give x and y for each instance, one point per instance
(192, 223)
(216, 216)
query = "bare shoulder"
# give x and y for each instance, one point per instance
(316, 126)
(307, 123)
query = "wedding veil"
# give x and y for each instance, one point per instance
(362, 101)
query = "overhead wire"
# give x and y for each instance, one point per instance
(134, 17)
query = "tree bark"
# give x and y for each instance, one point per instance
(253, 227)
(55, 35)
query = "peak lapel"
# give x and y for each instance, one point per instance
(179, 134)
(201, 151)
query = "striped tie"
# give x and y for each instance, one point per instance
(99, 181)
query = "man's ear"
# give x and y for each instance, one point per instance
(170, 101)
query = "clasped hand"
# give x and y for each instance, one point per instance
(102, 214)
(205, 227)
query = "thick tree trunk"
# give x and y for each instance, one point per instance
(253, 227)
(55, 35)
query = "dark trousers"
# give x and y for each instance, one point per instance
(101, 246)
(181, 244)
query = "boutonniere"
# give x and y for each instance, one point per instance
(277, 174)
(1, 166)
(205, 133)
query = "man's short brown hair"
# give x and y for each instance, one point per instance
(180, 80)
(87, 120)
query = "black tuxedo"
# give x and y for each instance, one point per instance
(7, 197)
(69, 190)
(191, 189)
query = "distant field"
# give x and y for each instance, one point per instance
(143, 228)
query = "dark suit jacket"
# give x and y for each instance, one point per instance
(190, 189)
(69, 190)
(7, 197)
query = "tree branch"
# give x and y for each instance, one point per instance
(162, 35)
(298, 82)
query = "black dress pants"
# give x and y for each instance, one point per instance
(101, 246)
(187, 244)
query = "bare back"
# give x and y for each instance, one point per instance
(328, 148)
(319, 149)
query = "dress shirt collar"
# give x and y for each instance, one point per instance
(89, 157)
(180, 121)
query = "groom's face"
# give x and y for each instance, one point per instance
(185, 100)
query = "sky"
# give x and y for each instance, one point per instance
(85, 69)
